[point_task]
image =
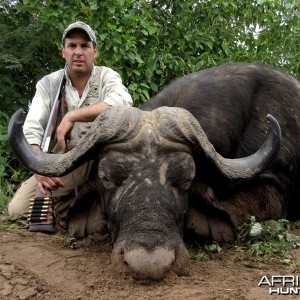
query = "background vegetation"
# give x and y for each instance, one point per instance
(149, 42)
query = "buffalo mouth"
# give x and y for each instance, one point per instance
(154, 264)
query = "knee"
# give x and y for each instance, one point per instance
(17, 206)
(12, 208)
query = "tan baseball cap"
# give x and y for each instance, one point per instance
(81, 26)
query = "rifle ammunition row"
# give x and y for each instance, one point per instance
(38, 209)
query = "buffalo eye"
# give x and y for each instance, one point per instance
(185, 184)
(112, 179)
(180, 171)
(105, 180)
(182, 183)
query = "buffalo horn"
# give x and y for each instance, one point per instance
(113, 125)
(178, 124)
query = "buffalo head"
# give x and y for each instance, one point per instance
(146, 167)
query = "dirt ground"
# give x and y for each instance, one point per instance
(40, 266)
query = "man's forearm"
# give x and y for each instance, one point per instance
(36, 147)
(87, 113)
(84, 114)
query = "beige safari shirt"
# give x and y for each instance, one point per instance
(104, 85)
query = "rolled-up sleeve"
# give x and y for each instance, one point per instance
(38, 115)
(40, 107)
(114, 93)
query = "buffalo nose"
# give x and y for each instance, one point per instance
(149, 264)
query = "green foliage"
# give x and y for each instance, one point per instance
(8, 222)
(10, 171)
(26, 54)
(259, 241)
(213, 247)
(5, 187)
(207, 248)
(200, 256)
(264, 240)
(153, 42)
(293, 265)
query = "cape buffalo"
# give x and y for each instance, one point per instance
(160, 175)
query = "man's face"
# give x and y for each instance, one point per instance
(79, 53)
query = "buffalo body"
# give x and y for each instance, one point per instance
(160, 175)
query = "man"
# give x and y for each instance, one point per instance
(89, 90)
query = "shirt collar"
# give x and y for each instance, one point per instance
(69, 80)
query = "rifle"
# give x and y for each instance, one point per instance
(41, 216)
(52, 122)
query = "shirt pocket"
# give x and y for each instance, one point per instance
(92, 96)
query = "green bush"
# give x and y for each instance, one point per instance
(11, 172)
(261, 241)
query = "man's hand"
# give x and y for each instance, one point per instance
(84, 114)
(63, 131)
(50, 183)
